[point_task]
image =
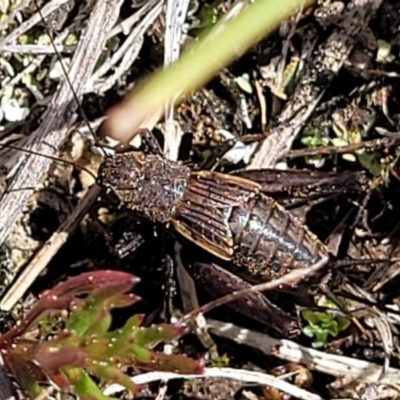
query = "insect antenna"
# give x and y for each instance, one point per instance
(57, 159)
(66, 76)
(76, 99)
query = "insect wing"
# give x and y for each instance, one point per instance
(204, 212)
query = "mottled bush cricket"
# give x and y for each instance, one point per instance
(234, 217)
(227, 215)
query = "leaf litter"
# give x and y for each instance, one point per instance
(318, 93)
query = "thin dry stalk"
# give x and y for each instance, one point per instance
(240, 375)
(46, 253)
(175, 18)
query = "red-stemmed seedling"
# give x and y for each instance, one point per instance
(86, 346)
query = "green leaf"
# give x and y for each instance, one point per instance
(309, 331)
(26, 379)
(311, 317)
(91, 315)
(370, 161)
(321, 325)
(321, 337)
(175, 363)
(113, 374)
(384, 51)
(331, 328)
(157, 333)
(343, 323)
(84, 386)
(141, 354)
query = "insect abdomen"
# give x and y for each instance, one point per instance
(230, 218)
(270, 241)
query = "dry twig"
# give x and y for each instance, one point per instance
(46, 253)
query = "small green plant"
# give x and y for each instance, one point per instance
(221, 362)
(322, 324)
(86, 346)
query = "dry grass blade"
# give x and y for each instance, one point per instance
(59, 115)
(332, 364)
(46, 253)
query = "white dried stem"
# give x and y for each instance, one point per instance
(240, 375)
(332, 364)
(175, 18)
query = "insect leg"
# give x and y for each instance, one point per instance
(303, 183)
(219, 282)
